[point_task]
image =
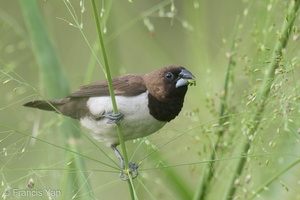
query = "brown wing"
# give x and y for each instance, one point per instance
(126, 85)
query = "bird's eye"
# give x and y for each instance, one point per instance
(169, 76)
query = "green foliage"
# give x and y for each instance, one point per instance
(237, 136)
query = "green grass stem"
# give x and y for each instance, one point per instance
(240, 141)
(55, 145)
(207, 173)
(263, 95)
(113, 99)
(56, 86)
(272, 179)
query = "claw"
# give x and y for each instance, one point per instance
(113, 118)
(133, 167)
(132, 170)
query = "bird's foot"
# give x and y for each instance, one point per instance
(113, 118)
(133, 171)
(126, 173)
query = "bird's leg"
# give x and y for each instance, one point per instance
(132, 166)
(113, 118)
(119, 156)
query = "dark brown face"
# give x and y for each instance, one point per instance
(169, 82)
(166, 90)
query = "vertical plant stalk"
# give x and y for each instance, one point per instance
(56, 86)
(263, 94)
(112, 95)
(272, 179)
(207, 173)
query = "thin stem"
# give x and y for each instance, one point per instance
(56, 86)
(207, 173)
(111, 91)
(273, 178)
(265, 89)
(55, 145)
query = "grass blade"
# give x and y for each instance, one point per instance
(281, 43)
(56, 86)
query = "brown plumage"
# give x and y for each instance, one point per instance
(74, 105)
(146, 103)
(165, 101)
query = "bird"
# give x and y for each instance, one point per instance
(146, 102)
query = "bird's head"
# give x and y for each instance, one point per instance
(169, 81)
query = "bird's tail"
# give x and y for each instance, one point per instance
(50, 105)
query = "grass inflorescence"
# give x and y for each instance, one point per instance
(239, 141)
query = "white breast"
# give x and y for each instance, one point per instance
(137, 121)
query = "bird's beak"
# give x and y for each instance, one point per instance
(185, 78)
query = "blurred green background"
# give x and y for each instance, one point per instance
(203, 36)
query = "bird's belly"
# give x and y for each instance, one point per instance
(137, 121)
